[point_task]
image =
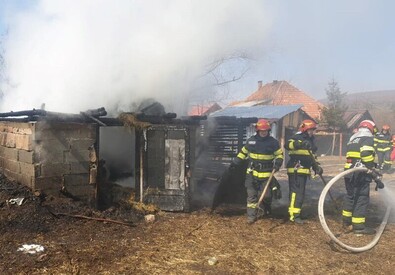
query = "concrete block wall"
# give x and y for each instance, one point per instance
(48, 156)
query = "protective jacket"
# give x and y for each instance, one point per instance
(360, 149)
(383, 142)
(261, 152)
(301, 159)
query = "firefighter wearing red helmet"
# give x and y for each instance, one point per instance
(301, 149)
(263, 154)
(360, 151)
(383, 146)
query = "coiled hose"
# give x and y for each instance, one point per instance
(325, 225)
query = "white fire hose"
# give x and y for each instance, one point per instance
(325, 225)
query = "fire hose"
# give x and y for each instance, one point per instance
(325, 225)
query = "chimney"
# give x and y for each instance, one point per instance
(259, 84)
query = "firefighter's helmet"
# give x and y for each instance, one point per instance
(263, 125)
(385, 127)
(307, 124)
(368, 124)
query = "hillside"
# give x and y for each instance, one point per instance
(381, 105)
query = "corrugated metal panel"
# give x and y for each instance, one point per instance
(265, 111)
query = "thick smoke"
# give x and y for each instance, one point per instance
(76, 55)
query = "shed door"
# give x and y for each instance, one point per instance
(175, 164)
(166, 161)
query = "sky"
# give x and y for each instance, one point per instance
(76, 55)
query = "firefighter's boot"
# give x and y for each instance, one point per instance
(360, 229)
(267, 209)
(251, 215)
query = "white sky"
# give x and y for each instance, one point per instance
(75, 55)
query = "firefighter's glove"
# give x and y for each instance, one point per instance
(379, 184)
(277, 164)
(276, 191)
(317, 169)
(377, 177)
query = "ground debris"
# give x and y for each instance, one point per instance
(182, 243)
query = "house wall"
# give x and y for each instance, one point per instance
(49, 156)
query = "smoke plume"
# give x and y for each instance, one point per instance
(77, 55)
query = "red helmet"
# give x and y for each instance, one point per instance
(263, 125)
(307, 124)
(386, 127)
(368, 124)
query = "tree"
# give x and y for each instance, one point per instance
(334, 112)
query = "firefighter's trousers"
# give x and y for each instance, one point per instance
(254, 190)
(384, 159)
(357, 200)
(297, 187)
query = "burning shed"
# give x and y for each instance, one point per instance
(50, 152)
(97, 159)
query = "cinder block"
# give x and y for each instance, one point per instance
(25, 180)
(10, 153)
(76, 180)
(54, 169)
(11, 165)
(45, 130)
(48, 183)
(32, 170)
(82, 191)
(10, 140)
(3, 126)
(79, 167)
(44, 155)
(26, 156)
(54, 144)
(81, 144)
(23, 128)
(10, 174)
(76, 156)
(3, 138)
(23, 142)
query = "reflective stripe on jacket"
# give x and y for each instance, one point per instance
(300, 159)
(261, 153)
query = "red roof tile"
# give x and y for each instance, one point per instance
(283, 93)
(202, 110)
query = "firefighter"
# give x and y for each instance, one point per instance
(360, 151)
(301, 149)
(383, 146)
(263, 153)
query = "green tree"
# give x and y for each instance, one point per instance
(334, 112)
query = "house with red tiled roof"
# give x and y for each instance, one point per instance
(282, 93)
(203, 110)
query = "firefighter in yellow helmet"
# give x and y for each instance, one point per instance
(263, 153)
(301, 149)
(360, 151)
(383, 147)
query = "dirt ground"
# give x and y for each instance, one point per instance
(186, 243)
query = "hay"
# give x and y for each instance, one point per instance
(130, 120)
